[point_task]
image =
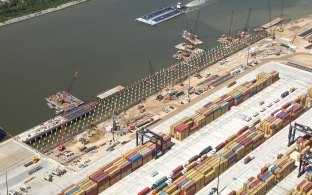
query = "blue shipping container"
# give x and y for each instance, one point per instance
(135, 158)
(72, 191)
(183, 182)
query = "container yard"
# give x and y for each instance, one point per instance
(180, 154)
(187, 146)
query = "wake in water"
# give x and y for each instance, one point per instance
(197, 3)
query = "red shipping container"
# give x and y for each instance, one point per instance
(126, 167)
(190, 189)
(286, 105)
(301, 184)
(193, 158)
(100, 178)
(178, 169)
(232, 193)
(179, 181)
(176, 176)
(242, 130)
(264, 169)
(307, 188)
(282, 163)
(145, 191)
(220, 146)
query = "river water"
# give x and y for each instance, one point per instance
(101, 38)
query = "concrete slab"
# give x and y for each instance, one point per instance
(12, 153)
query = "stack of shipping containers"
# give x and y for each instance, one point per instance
(235, 148)
(212, 110)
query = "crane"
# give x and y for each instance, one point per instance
(61, 147)
(282, 9)
(247, 22)
(196, 23)
(272, 32)
(151, 67)
(231, 23)
(280, 29)
(293, 40)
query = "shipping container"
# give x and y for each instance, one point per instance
(145, 191)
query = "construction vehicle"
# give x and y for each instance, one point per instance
(61, 146)
(59, 171)
(47, 176)
(34, 159)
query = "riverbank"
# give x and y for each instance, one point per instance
(40, 13)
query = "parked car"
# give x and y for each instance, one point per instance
(255, 114)
(248, 118)
(154, 173)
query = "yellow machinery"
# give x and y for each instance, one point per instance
(34, 159)
(280, 29)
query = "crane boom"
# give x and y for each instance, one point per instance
(61, 147)
(196, 24)
(231, 23)
(282, 8)
(151, 67)
(247, 22)
(72, 81)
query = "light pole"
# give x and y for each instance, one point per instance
(189, 86)
(6, 171)
(218, 175)
(189, 80)
(6, 181)
(248, 52)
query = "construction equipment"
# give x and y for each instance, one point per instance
(61, 146)
(293, 40)
(153, 137)
(305, 160)
(59, 171)
(280, 27)
(231, 23)
(115, 128)
(34, 159)
(196, 23)
(246, 27)
(47, 176)
(272, 31)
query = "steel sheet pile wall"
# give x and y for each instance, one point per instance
(212, 110)
(203, 171)
(138, 91)
(119, 168)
